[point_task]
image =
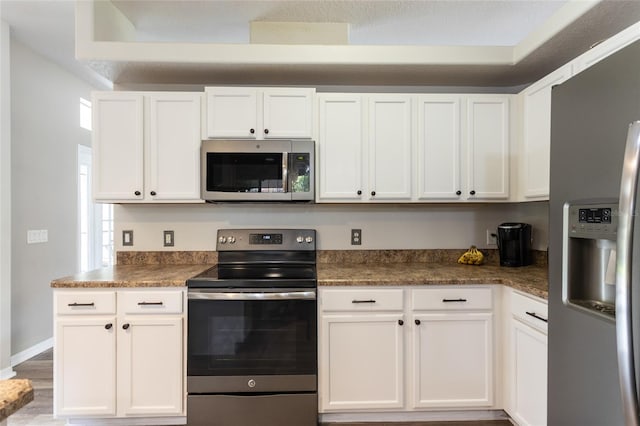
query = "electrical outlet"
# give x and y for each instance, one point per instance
(356, 237)
(491, 238)
(127, 238)
(168, 239)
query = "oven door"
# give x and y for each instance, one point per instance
(252, 341)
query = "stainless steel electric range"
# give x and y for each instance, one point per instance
(252, 331)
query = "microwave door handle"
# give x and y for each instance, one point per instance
(285, 172)
(624, 334)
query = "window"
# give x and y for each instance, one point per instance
(95, 221)
(85, 114)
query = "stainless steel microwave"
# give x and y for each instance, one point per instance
(251, 170)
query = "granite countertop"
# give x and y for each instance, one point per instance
(14, 394)
(530, 279)
(132, 276)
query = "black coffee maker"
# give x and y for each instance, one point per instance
(514, 244)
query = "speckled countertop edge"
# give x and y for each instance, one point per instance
(14, 394)
(529, 279)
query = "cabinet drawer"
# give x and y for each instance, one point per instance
(530, 311)
(150, 302)
(452, 298)
(362, 300)
(85, 302)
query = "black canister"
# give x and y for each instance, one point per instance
(514, 244)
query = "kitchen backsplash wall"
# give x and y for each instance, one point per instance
(425, 226)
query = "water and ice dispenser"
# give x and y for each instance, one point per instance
(589, 257)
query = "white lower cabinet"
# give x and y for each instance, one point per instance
(374, 351)
(365, 354)
(118, 353)
(527, 361)
(452, 360)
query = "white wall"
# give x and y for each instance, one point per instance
(45, 135)
(5, 203)
(426, 226)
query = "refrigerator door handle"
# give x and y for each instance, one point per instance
(624, 333)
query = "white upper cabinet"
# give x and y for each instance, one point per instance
(341, 147)
(232, 112)
(439, 139)
(173, 146)
(390, 147)
(246, 112)
(146, 147)
(287, 113)
(118, 145)
(487, 137)
(534, 177)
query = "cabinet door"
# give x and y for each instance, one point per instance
(361, 362)
(529, 375)
(488, 147)
(150, 365)
(173, 149)
(452, 360)
(537, 133)
(340, 148)
(232, 112)
(287, 113)
(390, 140)
(118, 124)
(85, 366)
(438, 147)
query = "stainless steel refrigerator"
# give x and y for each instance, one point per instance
(594, 249)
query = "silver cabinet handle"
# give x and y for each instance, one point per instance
(150, 303)
(624, 336)
(81, 304)
(363, 301)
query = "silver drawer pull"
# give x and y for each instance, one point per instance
(74, 304)
(363, 301)
(150, 303)
(453, 300)
(536, 316)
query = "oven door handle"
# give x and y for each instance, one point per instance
(285, 295)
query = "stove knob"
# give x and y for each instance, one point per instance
(309, 240)
(222, 240)
(300, 239)
(232, 240)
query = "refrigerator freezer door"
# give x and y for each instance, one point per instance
(624, 334)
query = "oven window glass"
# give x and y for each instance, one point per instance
(244, 172)
(239, 337)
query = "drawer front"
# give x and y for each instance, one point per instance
(452, 299)
(530, 311)
(150, 302)
(368, 300)
(85, 302)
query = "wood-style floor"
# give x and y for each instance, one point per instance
(40, 411)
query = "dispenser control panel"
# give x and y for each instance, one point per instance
(595, 221)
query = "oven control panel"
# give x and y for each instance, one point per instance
(266, 239)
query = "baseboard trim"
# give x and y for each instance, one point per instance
(7, 373)
(415, 416)
(29, 353)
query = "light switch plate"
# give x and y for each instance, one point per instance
(168, 239)
(127, 238)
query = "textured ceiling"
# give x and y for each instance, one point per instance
(48, 28)
(470, 23)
